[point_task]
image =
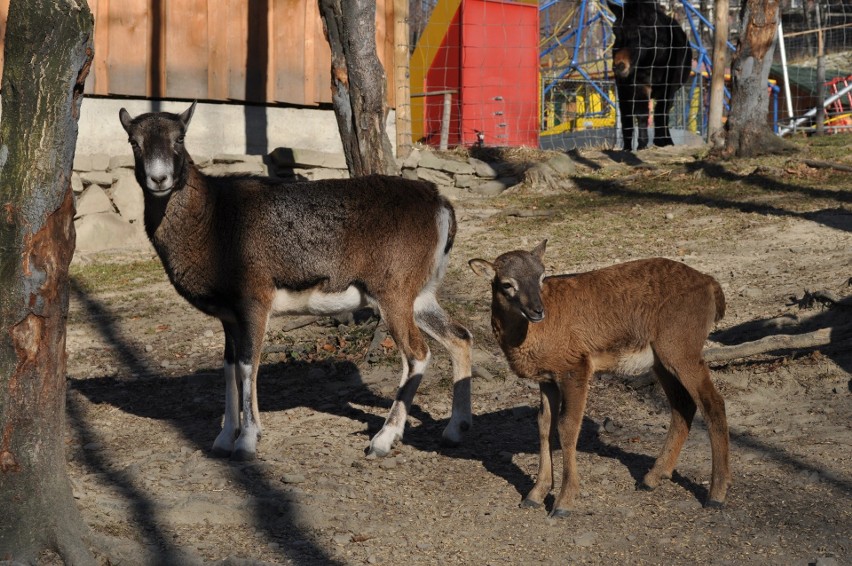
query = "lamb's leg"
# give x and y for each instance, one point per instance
(224, 443)
(574, 390)
(547, 412)
(683, 411)
(457, 340)
(415, 358)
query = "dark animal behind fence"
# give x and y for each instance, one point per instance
(651, 59)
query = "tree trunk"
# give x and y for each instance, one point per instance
(358, 85)
(748, 130)
(47, 56)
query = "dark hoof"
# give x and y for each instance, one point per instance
(465, 426)
(642, 486)
(560, 513)
(243, 456)
(529, 504)
(711, 504)
(220, 453)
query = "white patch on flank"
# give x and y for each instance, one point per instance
(635, 363)
(314, 301)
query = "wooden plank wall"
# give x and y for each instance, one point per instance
(261, 51)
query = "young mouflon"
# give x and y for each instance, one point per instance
(240, 247)
(652, 314)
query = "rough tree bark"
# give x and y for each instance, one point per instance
(47, 56)
(358, 85)
(748, 132)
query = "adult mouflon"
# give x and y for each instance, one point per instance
(240, 247)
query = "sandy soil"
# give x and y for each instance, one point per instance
(146, 397)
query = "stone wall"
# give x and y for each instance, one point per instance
(110, 204)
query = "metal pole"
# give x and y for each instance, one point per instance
(783, 52)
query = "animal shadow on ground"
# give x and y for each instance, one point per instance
(282, 386)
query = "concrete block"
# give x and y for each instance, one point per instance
(294, 157)
(107, 230)
(82, 162)
(93, 200)
(128, 198)
(413, 159)
(117, 162)
(100, 162)
(483, 169)
(466, 181)
(432, 161)
(77, 183)
(318, 174)
(102, 178)
(219, 169)
(437, 177)
(495, 187)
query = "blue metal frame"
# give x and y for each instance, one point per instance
(692, 16)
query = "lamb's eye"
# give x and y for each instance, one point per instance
(179, 141)
(507, 286)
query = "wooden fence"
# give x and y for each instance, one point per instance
(263, 51)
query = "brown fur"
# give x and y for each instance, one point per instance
(232, 246)
(627, 318)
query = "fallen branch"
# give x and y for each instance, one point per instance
(827, 165)
(528, 213)
(822, 337)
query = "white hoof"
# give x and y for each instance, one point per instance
(383, 442)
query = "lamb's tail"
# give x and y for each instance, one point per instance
(719, 295)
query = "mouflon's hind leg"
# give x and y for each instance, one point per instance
(415, 358)
(683, 411)
(252, 331)
(430, 317)
(694, 375)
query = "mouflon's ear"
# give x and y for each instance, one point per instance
(538, 251)
(186, 116)
(482, 268)
(125, 118)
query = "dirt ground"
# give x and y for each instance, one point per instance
(146, 395)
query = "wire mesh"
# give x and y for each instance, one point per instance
(541, 72)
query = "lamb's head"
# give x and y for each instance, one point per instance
(516, 279)
(157, 142)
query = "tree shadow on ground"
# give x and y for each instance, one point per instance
(838, 218)
(165, 399)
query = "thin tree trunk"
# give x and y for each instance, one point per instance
(47, 56)
(358, 85)
(748, 130)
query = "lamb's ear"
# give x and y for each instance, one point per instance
(538, 251)
(482, 268)
(187, 114)
(125, 118)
